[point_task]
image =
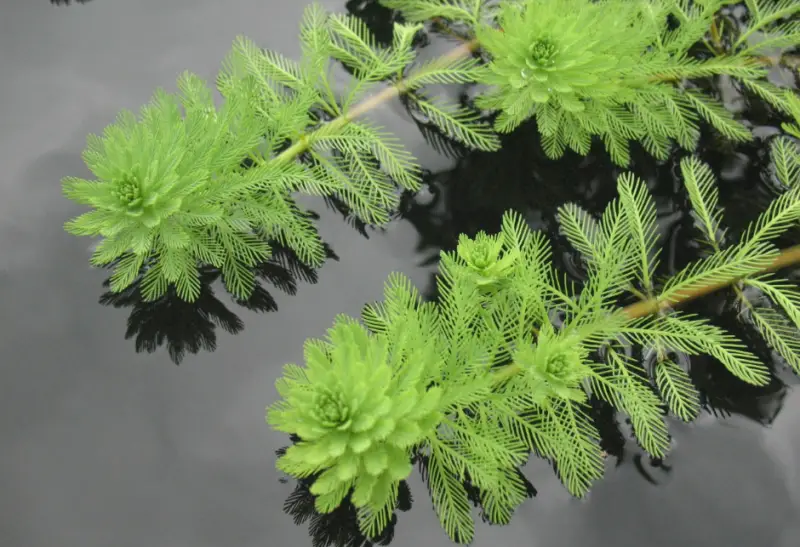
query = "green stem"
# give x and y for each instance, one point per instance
(400, 87)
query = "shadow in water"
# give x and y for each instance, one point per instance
(189, 327)
(340, 527)
(473, 195)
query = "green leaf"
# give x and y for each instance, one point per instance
(718, 117)
(458, 123)
(677, 389)
(640, 211)
(449, 500)
(717, 271)
(695, 336)
(781, 335)
(784, 294)
(701, 186)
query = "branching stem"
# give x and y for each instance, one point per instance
(374, 101)
(401, 86)
(643, 308)
(787, 257)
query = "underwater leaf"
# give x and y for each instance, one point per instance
(499, 504)
(785, 295)
(578, 456)
(581, 229)
(623, 385)
(695, 336)
(721, 119)
(461, 124)
(780, 334)
(462, 71)
(372, 522)
(732, 263)
(421, 11)
(782, 214)
(786, 157)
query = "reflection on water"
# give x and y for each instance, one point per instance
(340, 527)
(191, 326)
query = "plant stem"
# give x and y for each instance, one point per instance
(787, 257)
(372, 102)
(400, 87)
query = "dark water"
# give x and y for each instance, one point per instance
(104, 446)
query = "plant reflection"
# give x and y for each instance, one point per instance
(189, 327)
(340, 527)
(521, 178)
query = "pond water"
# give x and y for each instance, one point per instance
(103, 445)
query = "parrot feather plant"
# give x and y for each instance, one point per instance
(503, 363)
(618, 70)
(188, 183)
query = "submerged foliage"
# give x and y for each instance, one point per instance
(619, 70)
(502, 365)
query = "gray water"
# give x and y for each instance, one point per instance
(103, 446)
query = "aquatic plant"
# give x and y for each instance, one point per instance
(614, 69)
(174, 193)
(502, 365)
(177, 190)
(190, 184)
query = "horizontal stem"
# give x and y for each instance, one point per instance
(389, 93)
(787, 257)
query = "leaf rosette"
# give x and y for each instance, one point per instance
(171, 193)
(143, 175)
(554, 367)
(562, 52)
(485, 258)
(610, 69)
(356, 418)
